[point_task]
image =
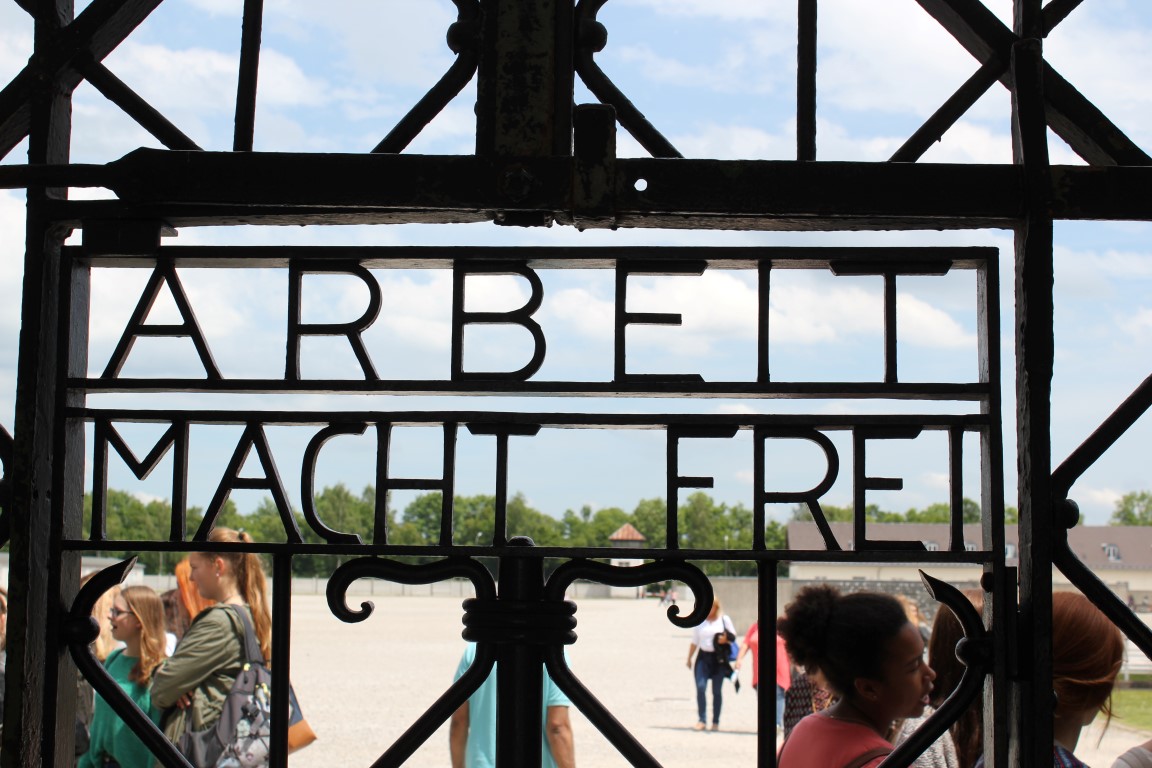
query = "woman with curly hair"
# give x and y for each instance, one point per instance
(137, 620)
(872, 658)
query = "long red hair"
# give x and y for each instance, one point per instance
(1087, 651)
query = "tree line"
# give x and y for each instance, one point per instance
(703, 523)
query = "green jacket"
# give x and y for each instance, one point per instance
(206, 662)
(109, 735)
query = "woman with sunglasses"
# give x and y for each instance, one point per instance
(137, 620)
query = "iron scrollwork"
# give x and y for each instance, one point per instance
(490, 621)
(974, 651)
(79, 631)
(590, 39)
(1066, 514)
(451, 700)
(621, 576)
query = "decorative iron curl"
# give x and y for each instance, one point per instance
(401, 573)
(1066, 514)
(974, 651)
(451, 700)
(617, 735)
(638, 576)
(373, 567)
(463, 39)
(7, 457)
(618, 576)
(79, 631)
(591, 37)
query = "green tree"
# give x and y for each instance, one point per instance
(1133, 508)
(835, 514)
(650, 517)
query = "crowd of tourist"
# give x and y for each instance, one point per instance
(175, 655)
(859, 672)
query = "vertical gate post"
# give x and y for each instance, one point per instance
(1034, 364)
(40, 679)
(519, 662)
(524, 84)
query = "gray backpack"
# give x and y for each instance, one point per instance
(240, 738)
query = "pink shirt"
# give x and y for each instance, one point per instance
(783, 665)
(818, 740)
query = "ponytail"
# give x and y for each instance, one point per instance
(251, 582)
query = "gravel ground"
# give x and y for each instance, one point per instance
(361, 685)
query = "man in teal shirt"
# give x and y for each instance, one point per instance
(472, 730)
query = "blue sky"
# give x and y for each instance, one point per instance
(717, 78)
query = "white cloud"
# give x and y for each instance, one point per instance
(1093, 48)
(584, 312)
(921, 324)
(729, 142)
(736, 69)
(1138, 324)
(189, 79)
(732, 10)
(283, 83)
(418, 311)
(967, 142)
(723, 306)
(887, 57)
(811, 315)
(939, 481)
(400, 42)
(15, 40)
(1097, 497)
(219, 7)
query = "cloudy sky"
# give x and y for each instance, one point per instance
(717, 77)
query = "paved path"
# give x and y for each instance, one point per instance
(361, 685)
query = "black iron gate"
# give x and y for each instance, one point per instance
(538, 160)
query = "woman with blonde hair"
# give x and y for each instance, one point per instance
(193, 684)
(137, 620)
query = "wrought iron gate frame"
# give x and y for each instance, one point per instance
(527, 170)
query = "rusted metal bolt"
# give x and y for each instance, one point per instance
(516, 183)
(462, 35)
(593, 35)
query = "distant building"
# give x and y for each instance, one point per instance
(1120, 555)
(627, 536)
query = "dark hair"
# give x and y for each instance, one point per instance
(844, 636)
(968, 730)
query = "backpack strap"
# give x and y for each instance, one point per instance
(869, 756)
(251, 644)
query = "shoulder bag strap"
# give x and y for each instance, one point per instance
(251, 644)
(869, 756)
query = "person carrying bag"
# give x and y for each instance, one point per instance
(227, 646)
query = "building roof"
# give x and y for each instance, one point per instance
(1100, 547)
(627, 532)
